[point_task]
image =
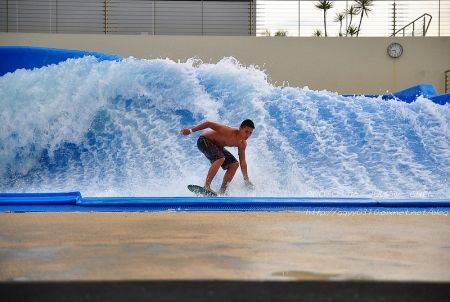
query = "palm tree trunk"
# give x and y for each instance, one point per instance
(349, 24)
(325, 21)
(360, 21)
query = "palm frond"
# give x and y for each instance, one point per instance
(339, 17)
(324, 4)
(317, 33)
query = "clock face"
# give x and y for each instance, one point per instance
(394, 50)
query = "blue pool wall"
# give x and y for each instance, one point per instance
(74, 202)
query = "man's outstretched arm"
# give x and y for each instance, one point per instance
(207, 124)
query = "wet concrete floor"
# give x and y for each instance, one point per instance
(224, 246)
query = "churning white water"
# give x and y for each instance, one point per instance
(111, 128)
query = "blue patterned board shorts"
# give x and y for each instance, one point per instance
(214, 152)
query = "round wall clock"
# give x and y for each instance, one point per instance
(395, 50)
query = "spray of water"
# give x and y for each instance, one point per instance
(112, 129)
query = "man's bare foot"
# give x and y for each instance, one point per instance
(222, 191)
(207, 188)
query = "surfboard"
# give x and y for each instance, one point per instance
(198, 190)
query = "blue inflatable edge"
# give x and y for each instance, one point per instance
(74, 202)
(411, 94)
(441, 99)
(26, 57)
(40, 199)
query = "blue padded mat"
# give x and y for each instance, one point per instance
(39, 199)
(74, 202)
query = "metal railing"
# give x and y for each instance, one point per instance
(383, 18)
(221, 17)
(411, 27)
(153, 17)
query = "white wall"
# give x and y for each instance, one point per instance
(345, 65)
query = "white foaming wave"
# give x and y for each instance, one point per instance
(357, 148)
(124, 119)
(45, 106)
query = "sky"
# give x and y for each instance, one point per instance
(284, 15)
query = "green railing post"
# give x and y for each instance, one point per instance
(439, 19)
(7, 15)
(202, 20)
(105, 16)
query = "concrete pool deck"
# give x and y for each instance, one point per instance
(225, 246)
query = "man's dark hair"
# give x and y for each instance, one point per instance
(247, 123)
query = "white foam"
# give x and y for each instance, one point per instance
(112, 129)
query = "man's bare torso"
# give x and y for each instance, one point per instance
(226, 138)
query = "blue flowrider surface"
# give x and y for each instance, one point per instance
(74, 202)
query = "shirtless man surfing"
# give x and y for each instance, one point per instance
(212, 144)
